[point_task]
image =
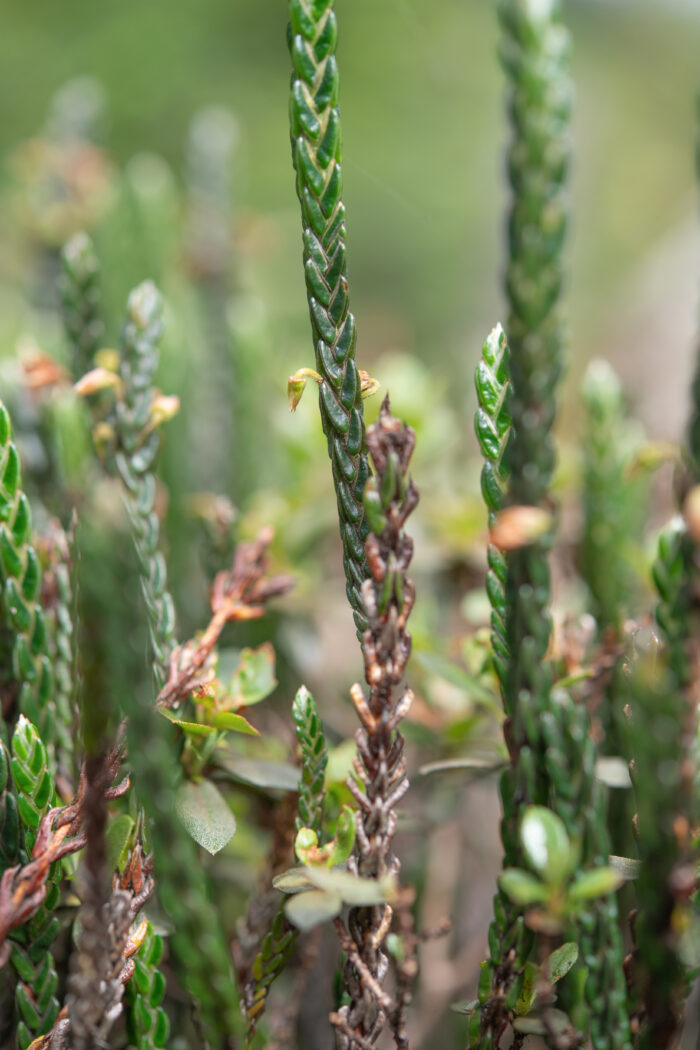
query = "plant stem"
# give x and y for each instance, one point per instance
(315, 132)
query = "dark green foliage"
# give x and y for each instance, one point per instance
(493, 429)
(315, 131)
(147, 1022)
(9, 817)
(280, 941)
(20, 576)
(611, 500)
(314, 759)
(534, 52)
(580, 800)
(80, 295)
(662, 729)
(197, 939)
(36, 1000)
(139, 440)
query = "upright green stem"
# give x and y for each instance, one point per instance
(493, 430)
(534, 51)
(36, 999)
(315, 131)
(281, 938)
(20, 578)
(139, 440)
(197, 939)
(80, 295)
(579, 798)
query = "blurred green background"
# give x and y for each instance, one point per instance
(421, 106)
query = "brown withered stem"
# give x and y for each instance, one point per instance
(61, 832)
(86, 983)
(239, 594)
(96, 997)
(388, 598)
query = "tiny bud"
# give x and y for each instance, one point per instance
(108, 358)
(297, 383)
(163, 408)
(96, 380)
(368, 385)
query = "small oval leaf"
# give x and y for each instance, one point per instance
(351, 888)
(596, 883)
(561, 960)
(522, 887)
(205, 815)
(546, 844)
(306, 910)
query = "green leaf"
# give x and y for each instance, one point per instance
(254, 677)
(294, 880)
(561, 960)
(613, 771)
(305, 842)
(528, 992)
(556, 1019)
(205, 815)
(340, 761)
(628, 867)
(522, 887)
(307, 910)
(457, 676)
(259, 772)
(344, 836)
(191, 728)
(546, 844)
(118, 834)
(482, 766)
(596, 883)
(237, 723)
(466, 1007)
(351, 888)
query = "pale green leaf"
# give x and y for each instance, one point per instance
(628, 867)
(344, 837)
(294, 880)
(306, 910)
(596, 883)
(522, 887)
(613, 771)
(561, 960)
(352, 889)
(546, 844)
(237, 723)
(205, 814)
(117, 836)
(254, 678)
(191, 728)
(259, 772)
(528, 992)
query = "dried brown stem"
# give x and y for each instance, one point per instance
(95, 1005)
(236, 595)
(388, 598)
(23, 887)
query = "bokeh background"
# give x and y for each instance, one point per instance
(161, 127)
